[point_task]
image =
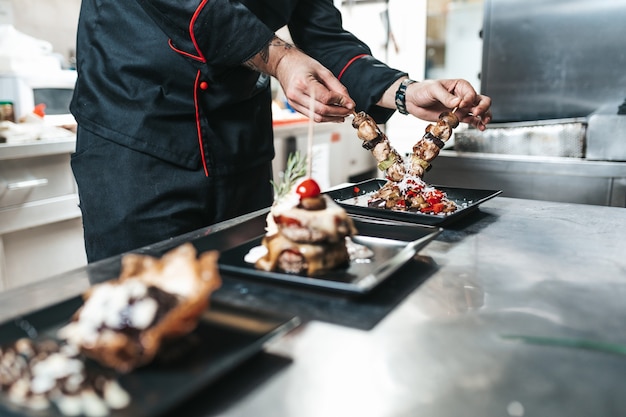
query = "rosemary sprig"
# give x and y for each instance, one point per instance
(295, 169)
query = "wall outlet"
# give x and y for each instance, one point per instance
(6, 12)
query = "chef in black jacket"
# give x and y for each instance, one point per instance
(173, 105)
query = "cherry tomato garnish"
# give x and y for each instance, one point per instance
(308, 188)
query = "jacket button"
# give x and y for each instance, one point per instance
(204, 85)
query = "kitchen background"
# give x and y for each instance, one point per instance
(424, 44)
(39, 216)
(51, 20)
(553, 67)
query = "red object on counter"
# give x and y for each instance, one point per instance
(296, 120)
(40, 110)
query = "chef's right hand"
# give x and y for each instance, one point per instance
(310, 88)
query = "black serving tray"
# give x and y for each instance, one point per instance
(393, 245)
(225, 338)
(467, 200)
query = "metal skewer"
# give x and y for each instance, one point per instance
(310, 135)
(479, 118)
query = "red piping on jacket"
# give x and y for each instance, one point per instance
(191, 25)
(198, 127)
(187, 54)
(348, 64)
(199, 57)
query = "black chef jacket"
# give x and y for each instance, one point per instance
(166, 78)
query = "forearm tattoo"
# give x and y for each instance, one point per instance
(264, 53)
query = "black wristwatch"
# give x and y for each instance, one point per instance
(401, 95)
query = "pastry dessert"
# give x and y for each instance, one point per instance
(306, 230)
(36, 374)
(124, 321)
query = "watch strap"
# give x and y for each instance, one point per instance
(401, 95)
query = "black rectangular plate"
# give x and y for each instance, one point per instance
(393, 245)
(225, 338)
(467, 199)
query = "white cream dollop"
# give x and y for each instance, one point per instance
(110, 306)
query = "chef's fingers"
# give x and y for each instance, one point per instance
(319, 115)
(327, 106)
(465, 97)
(319, 112)
(480, 113)
(330, 104)
(473, 107)
(441, 92)
(331, 92)
(476, 121)
(481, 105)
(331, 99)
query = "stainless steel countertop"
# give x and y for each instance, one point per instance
(522, 315)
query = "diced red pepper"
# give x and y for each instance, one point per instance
(434, 197)
(438, 207)
(356, 190)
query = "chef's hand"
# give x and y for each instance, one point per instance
(307, 84)
(428, 99)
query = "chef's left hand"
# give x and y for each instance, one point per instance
(427, 99)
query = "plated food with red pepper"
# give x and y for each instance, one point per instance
(360, 199)
(405, 189)
(414, 195)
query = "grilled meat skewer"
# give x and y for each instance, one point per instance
(428, 147)
(374, 140)
(405, 189)
(424, 151)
